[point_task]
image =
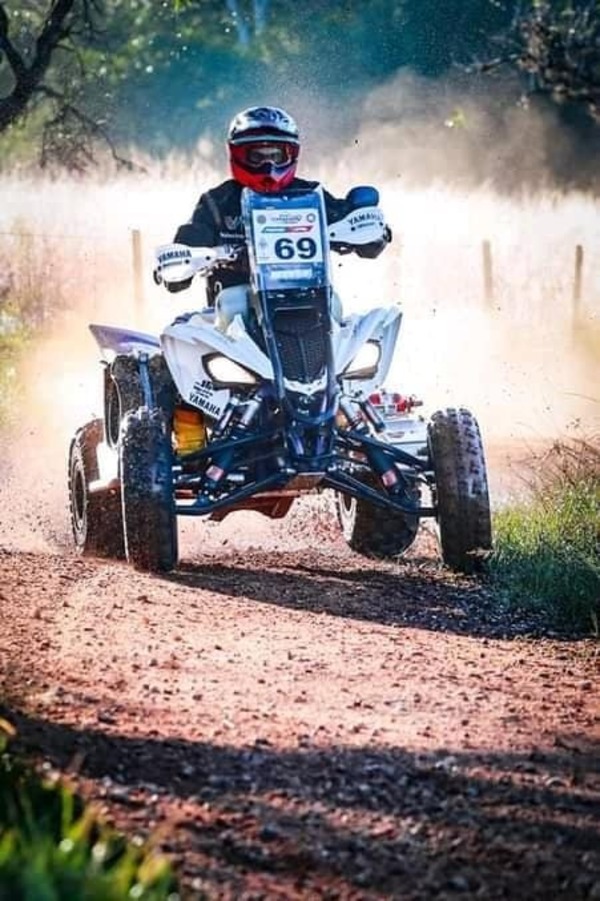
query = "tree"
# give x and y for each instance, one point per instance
(32, 36)
(157, 75)
(28, 74)
(70, 67)
(557, 46)
(437, 36)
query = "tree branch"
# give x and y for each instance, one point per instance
(559, 51)
(55, 30)
(28, 78)
(90, 129)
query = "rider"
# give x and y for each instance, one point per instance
(263, 144)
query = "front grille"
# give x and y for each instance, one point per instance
(302, 340)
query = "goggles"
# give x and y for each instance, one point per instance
(257, 155)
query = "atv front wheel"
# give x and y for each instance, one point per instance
(375, 531)
(461, 489)
(147, 491)
(96, 518)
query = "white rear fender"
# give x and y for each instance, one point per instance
(381, 325)
(184, 345)
(113, 341)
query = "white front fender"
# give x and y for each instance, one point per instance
(184, 344)
(381, 324)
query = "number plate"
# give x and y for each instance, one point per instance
(289, 236)
(288, 247)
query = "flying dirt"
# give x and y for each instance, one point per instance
(287, 718)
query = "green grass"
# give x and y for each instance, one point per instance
(52, 847)
(547, 548)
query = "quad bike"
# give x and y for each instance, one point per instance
(285, 399)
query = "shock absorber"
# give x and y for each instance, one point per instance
(222, 425)
(372, 415)
(353, 414)
(221, 463)
(358, 416)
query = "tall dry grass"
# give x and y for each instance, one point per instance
(66, 257)
(66, 249)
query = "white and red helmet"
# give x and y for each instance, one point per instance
(263, 144)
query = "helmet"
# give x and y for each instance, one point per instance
(263, 146)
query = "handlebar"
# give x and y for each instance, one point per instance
(180, 263)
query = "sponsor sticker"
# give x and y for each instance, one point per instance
(174, 257)
(365, 218)
(288, 236)
(201, 395)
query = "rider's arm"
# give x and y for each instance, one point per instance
(335, 207)
(200, 231)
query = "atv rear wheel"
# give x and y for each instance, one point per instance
(375, 531)
(461, 489)
(147, 491)
(96, 518)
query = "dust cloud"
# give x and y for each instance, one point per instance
(483, 262)
(519, 354)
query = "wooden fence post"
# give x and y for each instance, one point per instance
(138, 276)
(577, 282)
(488, 273)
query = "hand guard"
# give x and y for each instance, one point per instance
(177, 264)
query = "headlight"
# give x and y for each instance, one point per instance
(224, 371)
(365, 363)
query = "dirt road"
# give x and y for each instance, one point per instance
(300, 723)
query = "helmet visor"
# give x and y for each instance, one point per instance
(259, 154)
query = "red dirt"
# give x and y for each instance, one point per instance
(305, 723)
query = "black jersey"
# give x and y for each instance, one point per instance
(217, 219)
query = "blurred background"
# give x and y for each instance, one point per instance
(478, 121)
